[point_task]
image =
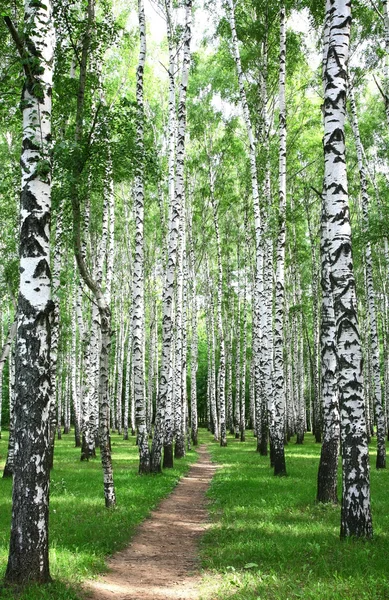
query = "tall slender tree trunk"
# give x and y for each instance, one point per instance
(242, 400)
(102, 300)
(259, 300)
(55, 329)
(222, 353)
(176, 202)
(138, 328)
(194, 341)
(327, 479)
(180, 195)
(211, 341)
(374, 343)
(9, 463)
(179, 448)
(3, 359)
(356, 513)
(28, 559)
(127, 385)
(279, 391)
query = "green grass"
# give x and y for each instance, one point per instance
(270, 541)
(82, 531)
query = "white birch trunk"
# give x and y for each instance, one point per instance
(100, 298)
(179, 449)
(242, 417)
(138, 329)
(222, 354)
(374, 342)
(3, 359)
(278, 411)
(28, 559)
(167, 320)
(9, 463)
(127, 385)
(194, 358)
(259, 302)
(356, 514)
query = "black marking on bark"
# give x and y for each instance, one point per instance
(28, 200)
(42, 267)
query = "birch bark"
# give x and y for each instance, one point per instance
(138, 328)
(101, 299)
(374, 343)
(28, 559)
(279, 383)
(167, 320)
(3, 359)
(259, 302)
(222, 354)
(356, 514)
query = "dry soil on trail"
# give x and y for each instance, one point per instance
(162, 563)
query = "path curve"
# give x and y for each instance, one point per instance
(162, 563)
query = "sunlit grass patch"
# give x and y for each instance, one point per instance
(82, 531)
(270, 541)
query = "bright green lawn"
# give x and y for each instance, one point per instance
(82, 531)
(270, 541)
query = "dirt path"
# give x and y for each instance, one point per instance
(161, 563)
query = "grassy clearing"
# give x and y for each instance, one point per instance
(82, 531)
(270, 541)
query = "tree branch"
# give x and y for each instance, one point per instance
(15, 36)
(23, 52)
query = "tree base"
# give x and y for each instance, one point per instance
(327, 477)
(7, 473)
(380, 461)
(179, 448)
(279, 462)
(144, 467)
(167, 458)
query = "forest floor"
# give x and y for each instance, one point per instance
(229, 533)
(162, 561)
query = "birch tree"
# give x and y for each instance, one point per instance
(374, 341)
(138, 327)
(356, 514)
(28, 559)
(175, 212)
(277, 430)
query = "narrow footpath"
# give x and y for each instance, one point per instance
(162, 561)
